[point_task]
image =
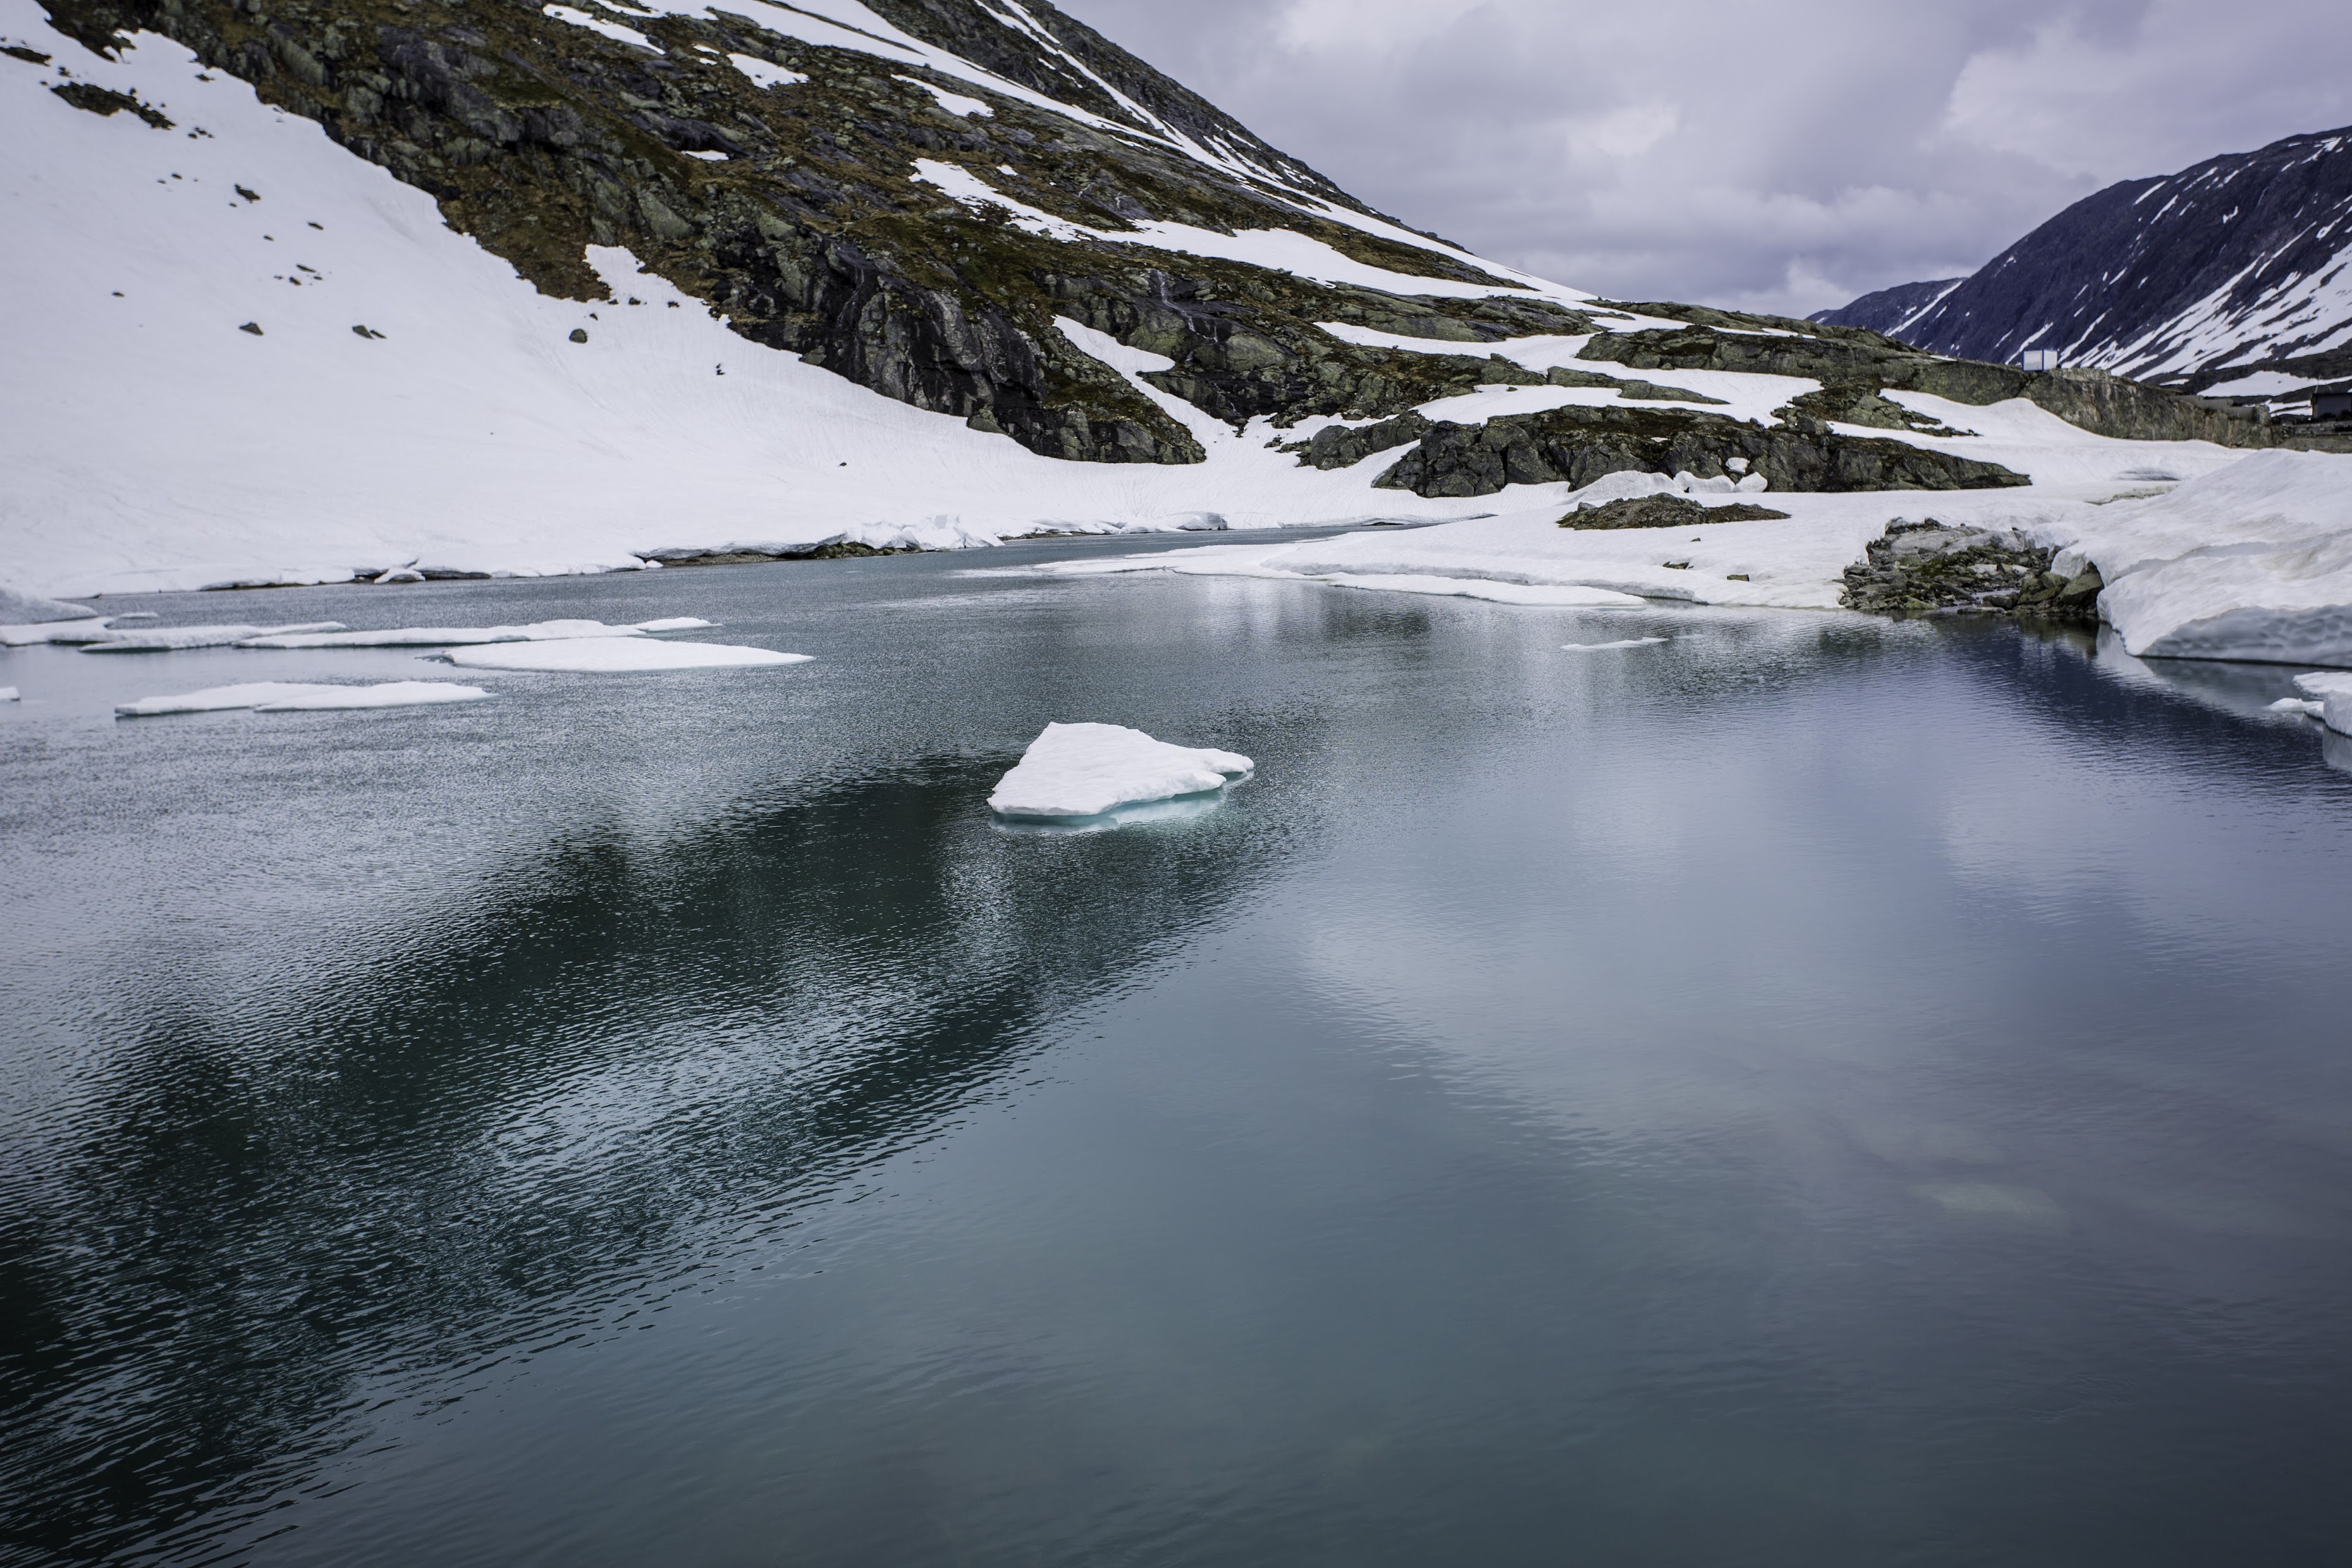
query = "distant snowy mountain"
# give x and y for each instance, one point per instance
(394, 289)
(2233, 277)
(1890, 310)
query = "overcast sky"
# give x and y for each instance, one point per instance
(1782, 156)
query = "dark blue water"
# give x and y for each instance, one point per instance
(1814, 1092)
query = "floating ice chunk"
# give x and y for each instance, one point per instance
(676, 624)
(1605, 646)
(616, 655)
(2332, 690)
(1482, 588)
(287, 696)
(9, 694)
(1085, 769)
(176, 640)
(2297, 705)
(765, 73)
(461, 636)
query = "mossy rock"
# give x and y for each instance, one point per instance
(1665, 511)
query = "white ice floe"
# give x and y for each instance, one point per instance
(614, 655)
(285, 696)
(178, 640)
(2331, 691)
(1606, 647)
(462, 636)
(1085, 769)
(10, 694)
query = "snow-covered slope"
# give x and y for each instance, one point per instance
(2234, 276)
(241, 355)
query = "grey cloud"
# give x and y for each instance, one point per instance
(1780, 156)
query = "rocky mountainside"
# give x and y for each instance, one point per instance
(1889, 310)
(2234, 276)
(979, 210)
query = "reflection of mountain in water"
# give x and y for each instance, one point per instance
(613, 1075)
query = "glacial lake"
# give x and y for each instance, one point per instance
(1813, 1091)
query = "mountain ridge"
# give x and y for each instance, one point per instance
(2243, 268)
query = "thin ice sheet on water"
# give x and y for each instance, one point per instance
(467, 637)
(290, 696)
(1570, 594)
(179, 640)
(1606, 647)
(1085, 769)
(616, 655)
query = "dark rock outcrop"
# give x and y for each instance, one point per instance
(1579, 444)
(1933, 568)
(1665, 511)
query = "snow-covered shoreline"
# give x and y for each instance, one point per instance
(2251, 561)
(408, 408)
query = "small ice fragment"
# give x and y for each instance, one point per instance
(614, 655)
(1085, 770)
(676, 624)
(1605, 646)
(284, 696)
(8, 694)
(177, 639)
(2297, 705)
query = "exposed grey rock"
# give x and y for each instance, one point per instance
(1930, 568)
(1579, 444)
(1665, 511)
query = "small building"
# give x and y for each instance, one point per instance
(2040, 359)
(2331, 405)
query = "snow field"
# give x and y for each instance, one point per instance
(1076, 770)
(471, 435)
